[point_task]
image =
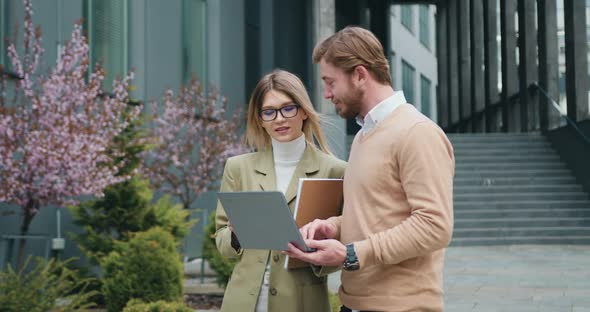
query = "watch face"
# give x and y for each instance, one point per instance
(352, 266)
(351, 263)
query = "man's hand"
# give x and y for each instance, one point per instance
(329, 252)
(318, 229)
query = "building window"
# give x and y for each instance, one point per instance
(408, 73)
(107, 24)
(425, 95)
(194, 37)
(407, 17)
(392, 68)
(4, 32)
(424, 26)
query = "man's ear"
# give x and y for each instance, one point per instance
(361, 74)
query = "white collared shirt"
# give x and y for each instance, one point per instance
(380, 111)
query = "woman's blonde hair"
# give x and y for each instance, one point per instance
(290, 85)
(351, 47)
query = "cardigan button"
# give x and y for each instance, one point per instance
(275, 258)
(273, 291)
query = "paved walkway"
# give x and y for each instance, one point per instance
(517, 278)
(514, 278)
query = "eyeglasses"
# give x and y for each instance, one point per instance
(288, 111)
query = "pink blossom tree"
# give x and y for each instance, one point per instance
(194, 135)
(56, 132)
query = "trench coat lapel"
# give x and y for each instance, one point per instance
(307, 166)
(265, 170)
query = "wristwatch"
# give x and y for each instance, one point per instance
(351, 262)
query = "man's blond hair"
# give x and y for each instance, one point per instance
(351, 47)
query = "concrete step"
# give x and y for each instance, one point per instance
(501, 144)
(485, 159)
(521, 196)
(515, 173)
(465, 223)
(488, 189)
(519, 240)
(494, 140)
(494, 151)
(498, 135)
(560, 180)
(514, 189)
(522, 232)
(510, 166)
(521, 204)
(522, 213)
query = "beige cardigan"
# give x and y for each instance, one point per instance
(398, 211)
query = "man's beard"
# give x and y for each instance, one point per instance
(351, 104)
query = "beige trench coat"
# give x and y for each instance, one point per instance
(296, 290)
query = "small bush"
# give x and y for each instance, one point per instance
(222, 266)
(159, 306)
(126, 208)
(43, 287)
(147, 267)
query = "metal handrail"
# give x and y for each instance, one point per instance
(562, 113)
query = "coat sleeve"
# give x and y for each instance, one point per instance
(223, 235)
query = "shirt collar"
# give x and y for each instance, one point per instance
(381, 111)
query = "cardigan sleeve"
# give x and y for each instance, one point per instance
(223, 235)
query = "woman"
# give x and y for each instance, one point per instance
(282, 126)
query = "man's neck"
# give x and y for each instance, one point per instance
(373, 96)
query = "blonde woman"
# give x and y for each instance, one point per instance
(282, 127)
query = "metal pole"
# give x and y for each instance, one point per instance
(203, 225)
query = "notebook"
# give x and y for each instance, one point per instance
(316, 199)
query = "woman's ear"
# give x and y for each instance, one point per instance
(304, 114)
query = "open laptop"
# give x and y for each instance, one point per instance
(262, 220)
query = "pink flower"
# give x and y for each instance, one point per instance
(194, 135)
(54, 144)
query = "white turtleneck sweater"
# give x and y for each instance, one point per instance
(286, 156)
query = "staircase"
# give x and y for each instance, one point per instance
(514, 189)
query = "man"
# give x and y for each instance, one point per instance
(398, 213)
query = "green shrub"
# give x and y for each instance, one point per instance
(147, 267)
(125, 209)
(159, 306)
(222, 266)
(43, 287)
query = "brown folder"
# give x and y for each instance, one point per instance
(316, 199)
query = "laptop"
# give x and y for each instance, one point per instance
(262, 220)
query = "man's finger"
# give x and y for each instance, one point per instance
(303, 231)
(312, 243)
(293, 250)
(310, 232)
